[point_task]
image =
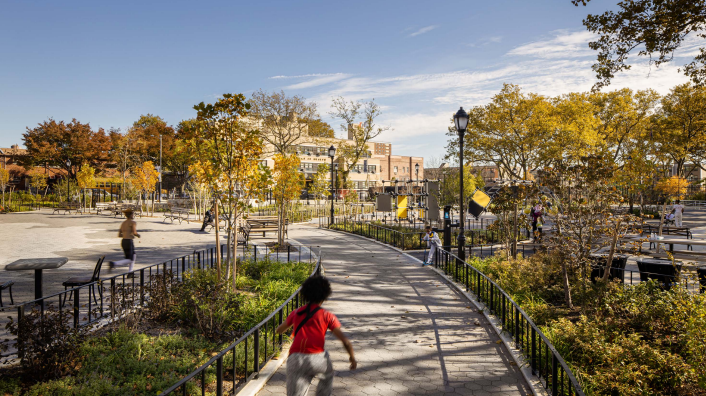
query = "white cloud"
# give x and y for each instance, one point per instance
(565, 44)
(423, 30)
(313, 80)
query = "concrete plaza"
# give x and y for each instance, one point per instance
(84, 239)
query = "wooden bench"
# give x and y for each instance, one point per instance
(67, 207)
(265, 225)
(181, 214)
(647, 229)
(221, 223)
(105, 207)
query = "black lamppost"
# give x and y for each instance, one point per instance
(461, 122)
(331, 153)
(68, 174)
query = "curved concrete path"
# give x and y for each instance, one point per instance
(413, 334)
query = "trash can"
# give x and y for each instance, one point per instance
(660, 270)
(701, 272)
(617, 268)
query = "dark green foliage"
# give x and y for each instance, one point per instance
(48, 344)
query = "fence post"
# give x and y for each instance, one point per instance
(20, 317)
(256, 353)
(76, 307)
(112, 298)
(555, 374)
(219, 376)
(534, 349)
(142, 287)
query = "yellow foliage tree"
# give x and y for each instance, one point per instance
(674, 188)
(287, 187)
(38, 180)
(4, 180)
(144, 178)
(86, 178)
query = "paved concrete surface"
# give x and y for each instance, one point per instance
(83, 239)
(412, 334)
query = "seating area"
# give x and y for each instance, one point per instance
(180, 214)
(77, 281)
(67, 207)
(6, 286)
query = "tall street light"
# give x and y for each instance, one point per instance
(331, 153)
(461, 122)
(68, 174)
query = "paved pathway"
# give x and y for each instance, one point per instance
(413, 335)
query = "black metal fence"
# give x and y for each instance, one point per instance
(543, 359)
(110, 298)
(242, 360)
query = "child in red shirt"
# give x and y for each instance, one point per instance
(307, 356)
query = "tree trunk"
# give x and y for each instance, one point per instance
(661, 222)
(609, 263)
(567, 287)
(218, 245)
(235, 251)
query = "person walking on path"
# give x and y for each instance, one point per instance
(433, 241)
(678, 212)
(537, 212)
(307, 356)
(128, 231)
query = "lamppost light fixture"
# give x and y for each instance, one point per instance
(416, 168)
(68, 162)
(461, 120)
(331, 151)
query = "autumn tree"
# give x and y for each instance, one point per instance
(651, 28)
(53, 143)
(673, 188)
(680, 126)
(450, 186)
(229, 150)
(317, 128)
(585, 197)
(321, 183)
(358, 120)
(283, 120)
(287, 187)
(86, 178)
(38, 180)
(144, 178)
(511, 132)
(4, 180)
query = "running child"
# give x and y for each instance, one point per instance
(307, 356)
(433, 241)
(128, 231)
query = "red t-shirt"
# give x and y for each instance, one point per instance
(311, 337)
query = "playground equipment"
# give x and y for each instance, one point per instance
(409, 200)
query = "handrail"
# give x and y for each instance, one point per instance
(528, 347)
(254, 331)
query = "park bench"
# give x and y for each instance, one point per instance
(221, 223)
(5, 286)
(67, 207)
(119, 208)
(105, 207)
(181, 214)
(265, 224)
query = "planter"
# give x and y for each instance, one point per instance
(660, 270)
(617, 269)
(701, 272)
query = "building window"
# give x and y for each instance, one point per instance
(395, 168)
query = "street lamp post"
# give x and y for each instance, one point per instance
(419, 202)
(461, 122)
(68, 174)
(331, 153)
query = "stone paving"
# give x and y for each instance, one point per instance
(412, 333)
(83, 239)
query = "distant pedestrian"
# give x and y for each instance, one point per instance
(536, 213)
(307, 356)
(128, 231)
(433, 241)
(207, 219)
(678, 213)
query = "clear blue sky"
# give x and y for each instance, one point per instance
(107, 63)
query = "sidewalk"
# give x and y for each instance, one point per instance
(412, 334)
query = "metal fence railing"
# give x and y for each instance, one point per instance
(242, 360)
(542, 358)
(109, 298)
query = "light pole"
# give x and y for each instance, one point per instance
(68, 174)
(160, 168)
(461, 122)
(418, 202)
(331, 153)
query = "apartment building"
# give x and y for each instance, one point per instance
(376, 165)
